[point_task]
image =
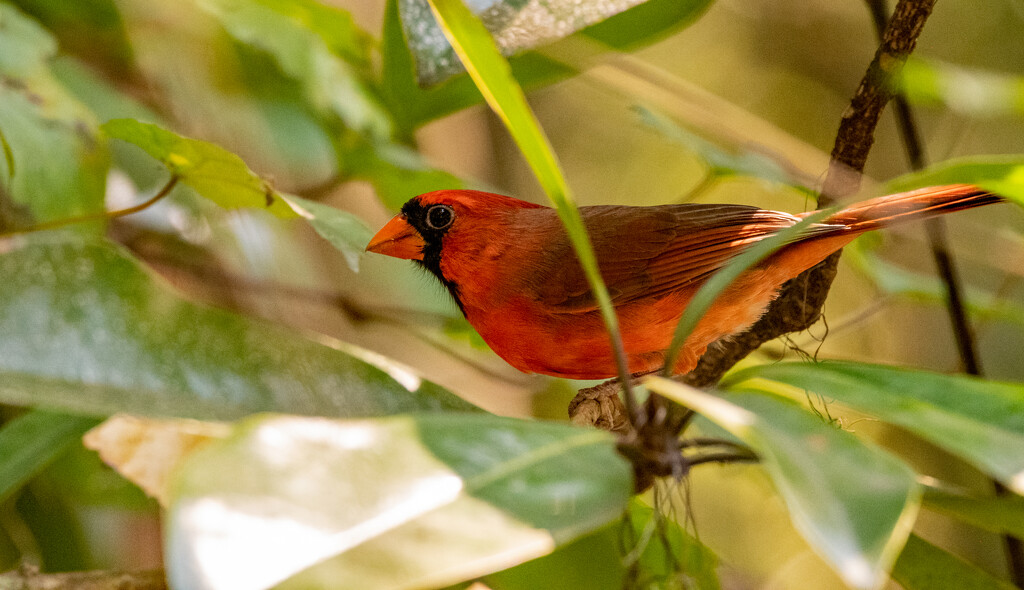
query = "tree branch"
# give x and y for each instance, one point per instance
(801, 299)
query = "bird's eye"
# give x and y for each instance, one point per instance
(440, 216)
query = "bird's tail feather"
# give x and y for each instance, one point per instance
(913, 205)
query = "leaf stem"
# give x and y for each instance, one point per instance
(48, 225)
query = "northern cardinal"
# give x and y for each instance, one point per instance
(512, 271)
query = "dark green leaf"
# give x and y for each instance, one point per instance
(923, 566)
(54, 163)
(32, 441)
(319, 46)
(999, 514)
(403, 502)
(85, 329)
(1003, 175)
(92, 29)
(518, 25)
(659, 554)
(854, 502)
(980, 421)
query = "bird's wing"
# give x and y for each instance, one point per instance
(653, 251)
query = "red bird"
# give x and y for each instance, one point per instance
(511, 269)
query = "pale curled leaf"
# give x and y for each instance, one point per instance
(403, 502)
(145, 450)
(853, 502)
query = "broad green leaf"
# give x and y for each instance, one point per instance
(1003, 175)
(32, 441)
(1000, 514)
(344, 231)
(54, 163)
(87, 330)
(403, 502)
(923, 566)
(212, 171)
(970, 92)
(980, 421)
(518, 25)
(319, 46)
(853, 502)
(493, 77)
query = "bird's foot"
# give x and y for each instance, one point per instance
(601, 406)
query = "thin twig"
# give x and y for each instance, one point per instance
(724, 457)
(95, 216)
(936, 230)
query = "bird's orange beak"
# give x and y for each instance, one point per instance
(399, 239)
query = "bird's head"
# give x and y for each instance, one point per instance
(426, 222)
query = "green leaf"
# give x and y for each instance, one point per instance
(1003, 175)
(344, 231)
(722, 163)
(319, 46)
(32, 441)
(853, 502)
(660, 555)
(517, 26)
(92, 29)
(404, 502)
(923, 566)
(980, 421)
(493, 77)
(970, 92)
(999, 514)
(54, 163)
(924, 288)
(212, 171)
(87, 330)
(414, 106)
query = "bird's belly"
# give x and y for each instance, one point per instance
(577, 346)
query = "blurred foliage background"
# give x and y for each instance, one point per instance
(748, 76)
